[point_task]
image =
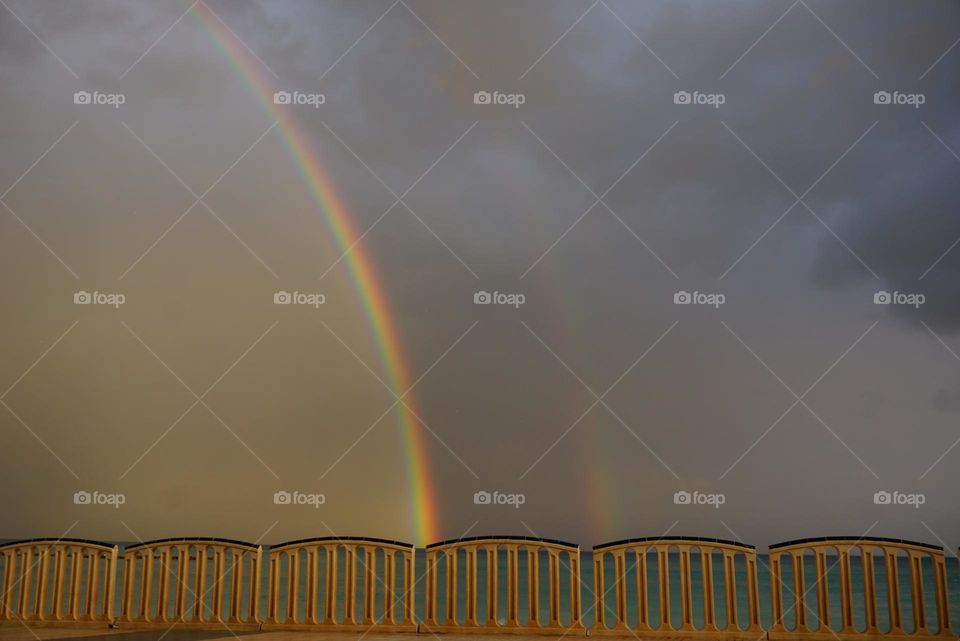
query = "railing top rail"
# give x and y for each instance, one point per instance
(107, 547)
(502, 539)
(877, 541)
(347, 540)
(192, 540)
(674, 540)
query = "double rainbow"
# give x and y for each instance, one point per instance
(358, 261)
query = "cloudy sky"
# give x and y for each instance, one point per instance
(633, 154)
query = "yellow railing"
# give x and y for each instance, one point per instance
(57, 580)
(803, 599)
(826, 589)
(305, 584)
(635, 560)
(201, 581)
(480, 581)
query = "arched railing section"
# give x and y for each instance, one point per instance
(195, 581)
(335, 582)
(899, 582)
(502, 584)
(688, 567)
(54, 580)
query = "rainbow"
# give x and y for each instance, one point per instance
(359, 264)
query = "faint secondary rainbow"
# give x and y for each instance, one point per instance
(359, 264)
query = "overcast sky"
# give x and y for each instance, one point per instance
(794, 396)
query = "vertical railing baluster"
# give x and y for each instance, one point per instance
(706, 577)
(471, 585)
(893, 590)
(940, 587)
(643, 590)
(390, 582)
(686, 589)
(599, 582)
(869, 589)
(370, 566)
(620, 588)
(823, 596)
(916, 593)
(553, 558)
(350, 585)
(330, 607)
(846, 589)
(493, 586)
(533, 583)
(799, 590)
(663, 576)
